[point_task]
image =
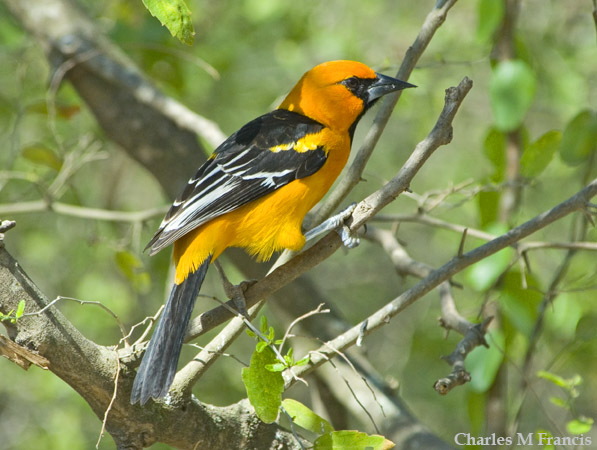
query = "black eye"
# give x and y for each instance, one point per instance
(351, 83)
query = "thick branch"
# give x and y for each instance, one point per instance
(131, 110)
(90, 369)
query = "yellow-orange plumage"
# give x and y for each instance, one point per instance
(254, 193)
(268, 224)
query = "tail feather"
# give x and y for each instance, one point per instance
(157, 370)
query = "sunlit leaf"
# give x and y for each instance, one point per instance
(305, 418)
(174, 15)
(581, 425)
(580, 138)
(543, 437)
(539, 154)
(276, 367)
(555, 379)
(263, 324)
(20, 309)
(351, 440)
(511, 91)
(559, 402)
(264, 388)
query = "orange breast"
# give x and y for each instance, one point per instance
(268, 224)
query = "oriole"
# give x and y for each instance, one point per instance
(254, 192)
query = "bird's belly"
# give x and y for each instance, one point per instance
(261, 227)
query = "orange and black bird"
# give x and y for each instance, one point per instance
(254, 192)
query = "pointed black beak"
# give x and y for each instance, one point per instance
(384, 85)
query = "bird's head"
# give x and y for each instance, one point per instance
(337, 93)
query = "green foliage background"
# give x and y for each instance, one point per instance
(254, 51)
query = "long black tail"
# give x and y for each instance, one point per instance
(157, 370)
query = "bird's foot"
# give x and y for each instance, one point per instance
(235, 292)
(338, 223)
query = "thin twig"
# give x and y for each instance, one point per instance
(151, 319)
(354, 395)
(229, 355)
(444, 273)
(84, 302)
(432, 23)
(318, 310)
(425, 219)
(81, 211)
(112, 400)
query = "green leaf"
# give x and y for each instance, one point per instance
(547, 437)
(351, 440)
(494, 148)
(260, 346)
(8, 316)
(490, 13)
(585, 328)
(559, 402)
(476, 406)
(250, 333)
(263, 324)
(20, 309)
(539, 154)
(489, 203)
(43, 156)
(483, 275)
(127, 262)
(174, 15)
(303, 361)
(555, 379)
(519, 305)
(264, 388)
(579, 140)
(483, 363)
(581, 425)
(276, 367)
(511, 91)
(132, 268)
(305, 418)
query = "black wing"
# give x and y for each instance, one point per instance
(264, 155)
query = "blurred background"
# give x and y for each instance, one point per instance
(247, 54)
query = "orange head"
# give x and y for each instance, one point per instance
(337, 93)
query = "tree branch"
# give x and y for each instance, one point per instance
(90, 370)
(577, 202)
(441, 134)
(432, 22)
(132, 112)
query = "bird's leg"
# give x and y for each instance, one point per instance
(337, 222)
(236, 293)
